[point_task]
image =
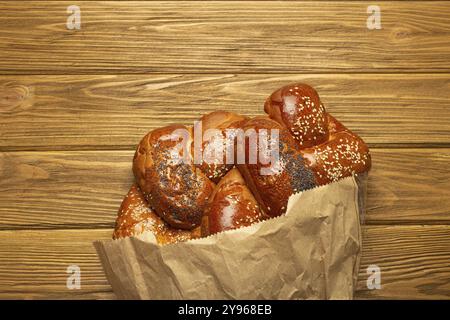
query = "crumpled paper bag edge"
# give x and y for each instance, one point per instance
(249, 229)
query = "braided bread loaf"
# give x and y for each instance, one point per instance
(186, 188)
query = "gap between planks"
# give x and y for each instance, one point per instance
(90, 148)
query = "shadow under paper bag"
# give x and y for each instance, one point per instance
(312, 252)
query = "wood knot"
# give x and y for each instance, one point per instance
(401, 34)
(25, 171)
(15, 97)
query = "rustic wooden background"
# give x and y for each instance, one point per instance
(74, 103)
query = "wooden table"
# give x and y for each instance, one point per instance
(74, 103)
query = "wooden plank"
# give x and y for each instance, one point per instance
(84, 189)
(33, 264)
(413, 262)
(115, 111)
(223, 36)
(72, 189)
(409, 186)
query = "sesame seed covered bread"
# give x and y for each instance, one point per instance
(331, 151)
(299, 109)
(175, 200)
(343, 154)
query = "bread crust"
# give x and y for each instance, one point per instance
(289, 173)
(178, 192)
(343, 155)
(232, 205)
(221, 122)
(172, 199)
(298, 108)
(135, 217)
(330, 149)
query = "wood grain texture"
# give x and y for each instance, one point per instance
(413, 262)
(65, 189)
(235, 36)
(115, 111)
(73, 104)
(84, 189)
(409, 186)
(33, 264)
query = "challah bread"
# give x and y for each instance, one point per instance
(177, 191)
(298, 108)
(215, 143)
(341, 156)
(287, 175)
(331, 150)
(136, 217)
(231, 205)
(313, 149)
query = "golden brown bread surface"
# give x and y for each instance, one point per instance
(331, 150)
(136, 217)
(341, 156)
(177, 191)
(314, 149)
(217, 137)
(283, 177)
(231, 205)
(299, 109)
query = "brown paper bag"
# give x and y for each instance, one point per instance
(312, 252)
